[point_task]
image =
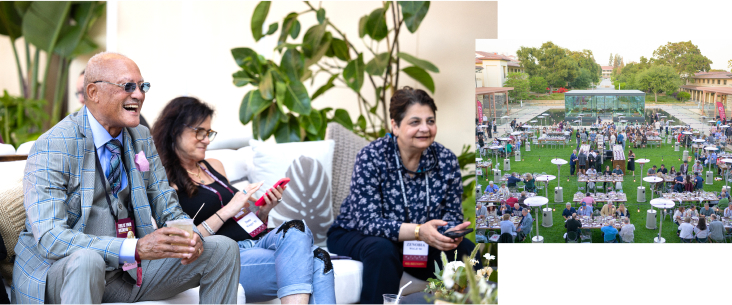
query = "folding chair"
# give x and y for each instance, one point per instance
(585, 235)
(572, 237)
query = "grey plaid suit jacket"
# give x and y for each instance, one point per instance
(59, 189)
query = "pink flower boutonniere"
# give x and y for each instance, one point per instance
(141, 162)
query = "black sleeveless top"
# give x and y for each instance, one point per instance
(191, 205)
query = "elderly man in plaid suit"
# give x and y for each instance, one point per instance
(95, 195)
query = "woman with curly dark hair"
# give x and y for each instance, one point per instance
(283, 263)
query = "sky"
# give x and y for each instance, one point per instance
(629, 28)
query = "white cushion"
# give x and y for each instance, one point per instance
(25, 148)
(308, 195)
(7, 149)
(228, 141)
(235, 166)
(12, 171)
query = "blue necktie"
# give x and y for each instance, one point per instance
(115, 172)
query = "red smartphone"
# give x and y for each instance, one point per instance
(282, 182)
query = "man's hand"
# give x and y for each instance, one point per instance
(160, 244)
(197, 253)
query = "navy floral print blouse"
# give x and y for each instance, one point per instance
(375, 205)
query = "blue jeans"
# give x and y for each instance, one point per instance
(285, 262)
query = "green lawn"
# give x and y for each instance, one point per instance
(553, 96)
(538, 160)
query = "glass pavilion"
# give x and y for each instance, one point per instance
(607, 104)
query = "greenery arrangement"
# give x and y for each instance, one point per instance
(279, 104)
(57, 28)
(457, 283)
(22, 119)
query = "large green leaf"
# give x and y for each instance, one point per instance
(295, 29)
(362, 26)
(260, 13)
(287, 25)
(85, 46)
(340, 49)
(319, 51)
(325, 87)
(419, 62)
(413, 12)
(43, 22)
(246, 58)
(494, 276)
(377, 65)
(266, 87)
(268, 121)
(320, 15)
(10, 21)
(312, 39)
(342, 117)
(317, 119)
(272, 28)
(280, 92)
(242, 78)
(421, 76)
(251, 105)
(361, 122)
(376, 25)
(296, 97)
(307, 125)
(353, 73)
(289, 131)
(83, 14)
(293, 64)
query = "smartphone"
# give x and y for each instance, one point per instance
(282, 182)
(458, 233)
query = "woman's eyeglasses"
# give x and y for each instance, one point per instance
(129, 87)
(202, 133)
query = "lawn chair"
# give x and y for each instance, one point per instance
(572, 237)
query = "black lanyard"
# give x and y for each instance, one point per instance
(104, 183)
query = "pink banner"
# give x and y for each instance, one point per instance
(480, 111)
(720, 109)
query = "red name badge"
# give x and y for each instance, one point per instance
(249, 222)
(415, 254)
(126, 229)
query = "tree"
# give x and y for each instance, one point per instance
(729, 64)
(610, 62)
(538, 84)
(658, 79)
(551, 62)
(585, 60)
(628, 73)
(683, 95)
(684, 57)
(584, 80)
(520, 83)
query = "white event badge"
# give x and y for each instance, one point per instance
(249, 222)
(415, 254)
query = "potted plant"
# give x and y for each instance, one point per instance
(456, 283)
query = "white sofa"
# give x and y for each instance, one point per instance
(237, 158)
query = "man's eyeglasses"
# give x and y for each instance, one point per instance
(202, 133)
(129, 87)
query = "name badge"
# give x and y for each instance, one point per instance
(126, 229)
(250, 222)
(415, 254)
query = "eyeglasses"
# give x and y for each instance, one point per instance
(202, 133)
(129, 87)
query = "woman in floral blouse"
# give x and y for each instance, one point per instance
(405, 187)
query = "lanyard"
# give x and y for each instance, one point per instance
(404, 193)
(221, 200)
(104, 183)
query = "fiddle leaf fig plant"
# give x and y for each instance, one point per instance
(279, 104)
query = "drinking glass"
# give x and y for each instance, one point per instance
(390, 298)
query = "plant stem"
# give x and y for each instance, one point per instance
(20, 70)
(61, 79)
(391, 52)
(27, 71)
(36, 64)
(395, 12)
